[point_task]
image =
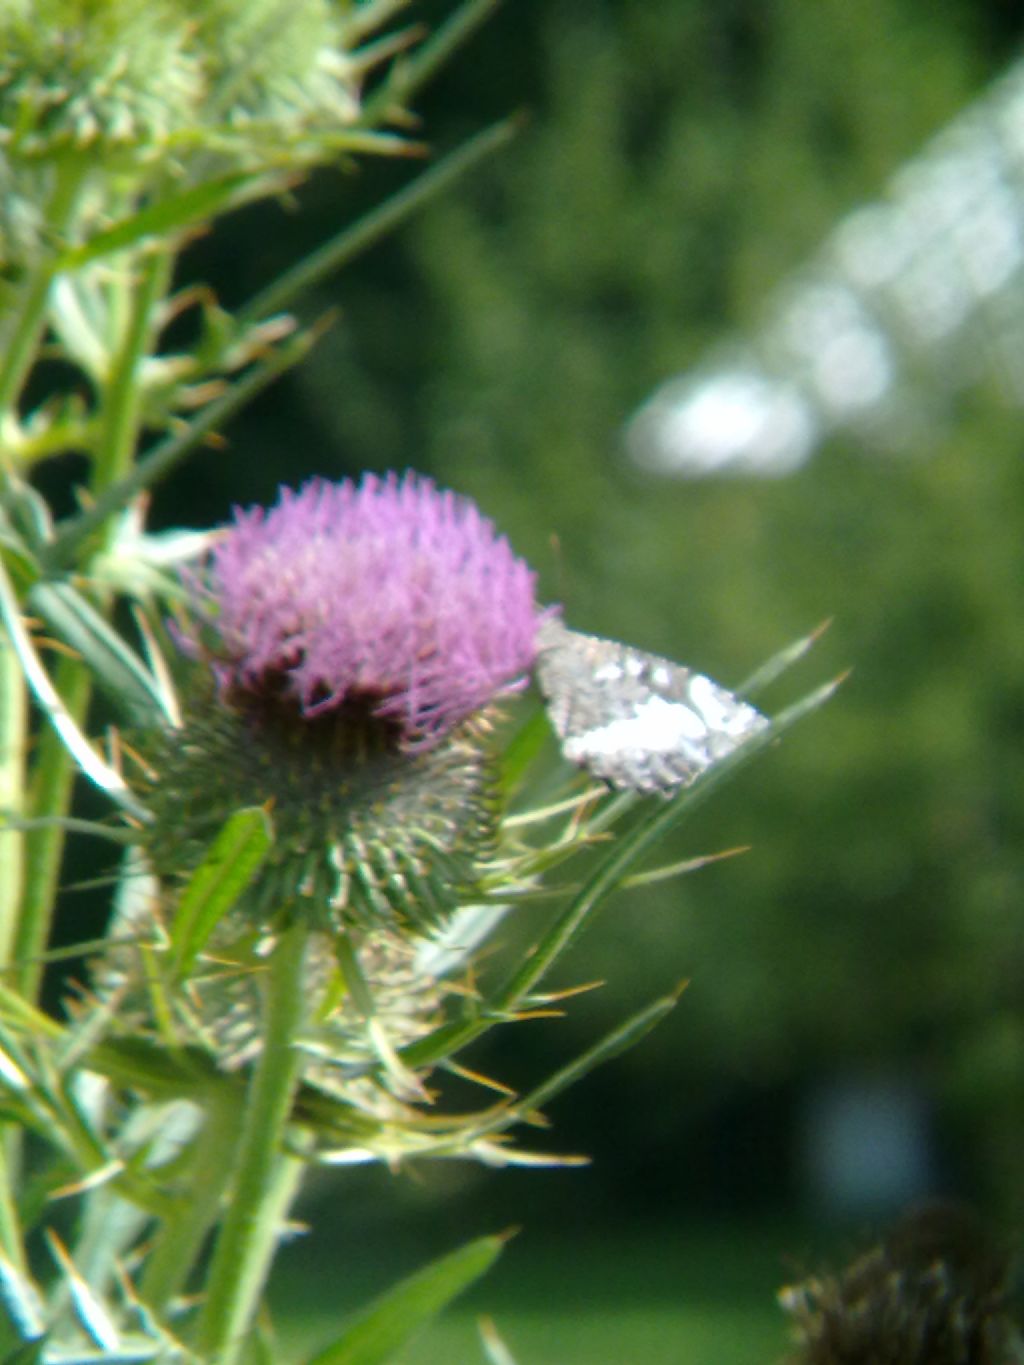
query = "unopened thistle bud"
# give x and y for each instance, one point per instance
(935, 1291)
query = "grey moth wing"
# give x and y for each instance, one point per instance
(636, 720)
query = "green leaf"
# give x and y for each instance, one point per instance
(20, 1014)
(525, 1108)
(24, 568)
(780, 662)
(169, 215)
(411, 74)
(26, 513)
(627, 1035)
(134, 1063)
(231, 863)
(389, 1322)
(523, 749)
(359, 236)
(118, 669)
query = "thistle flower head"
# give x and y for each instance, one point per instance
(389, 598)
(357, 635)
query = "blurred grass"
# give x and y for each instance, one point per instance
(659, 1295)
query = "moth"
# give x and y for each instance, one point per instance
(637, 721)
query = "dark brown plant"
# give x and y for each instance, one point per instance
(935, 1291)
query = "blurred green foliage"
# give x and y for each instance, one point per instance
(681, 158)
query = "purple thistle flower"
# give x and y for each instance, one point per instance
(390, 595)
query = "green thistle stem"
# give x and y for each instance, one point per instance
(54, 769)
(13, 736)
(266, 1178)
(49, 801)
(12, 1237)
(13, 730)
(124, 392)
(21, 351)
(180, 1240)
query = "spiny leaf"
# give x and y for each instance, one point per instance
(134, 1063)
(168, 216)
(392, 1319)
(119, 670)
(627, 1035)
(356, 238)
(411, 74)
(780, 662)
(231, 863)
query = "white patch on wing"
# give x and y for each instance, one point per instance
(609, 672)
(720, 710)
(658, 726)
